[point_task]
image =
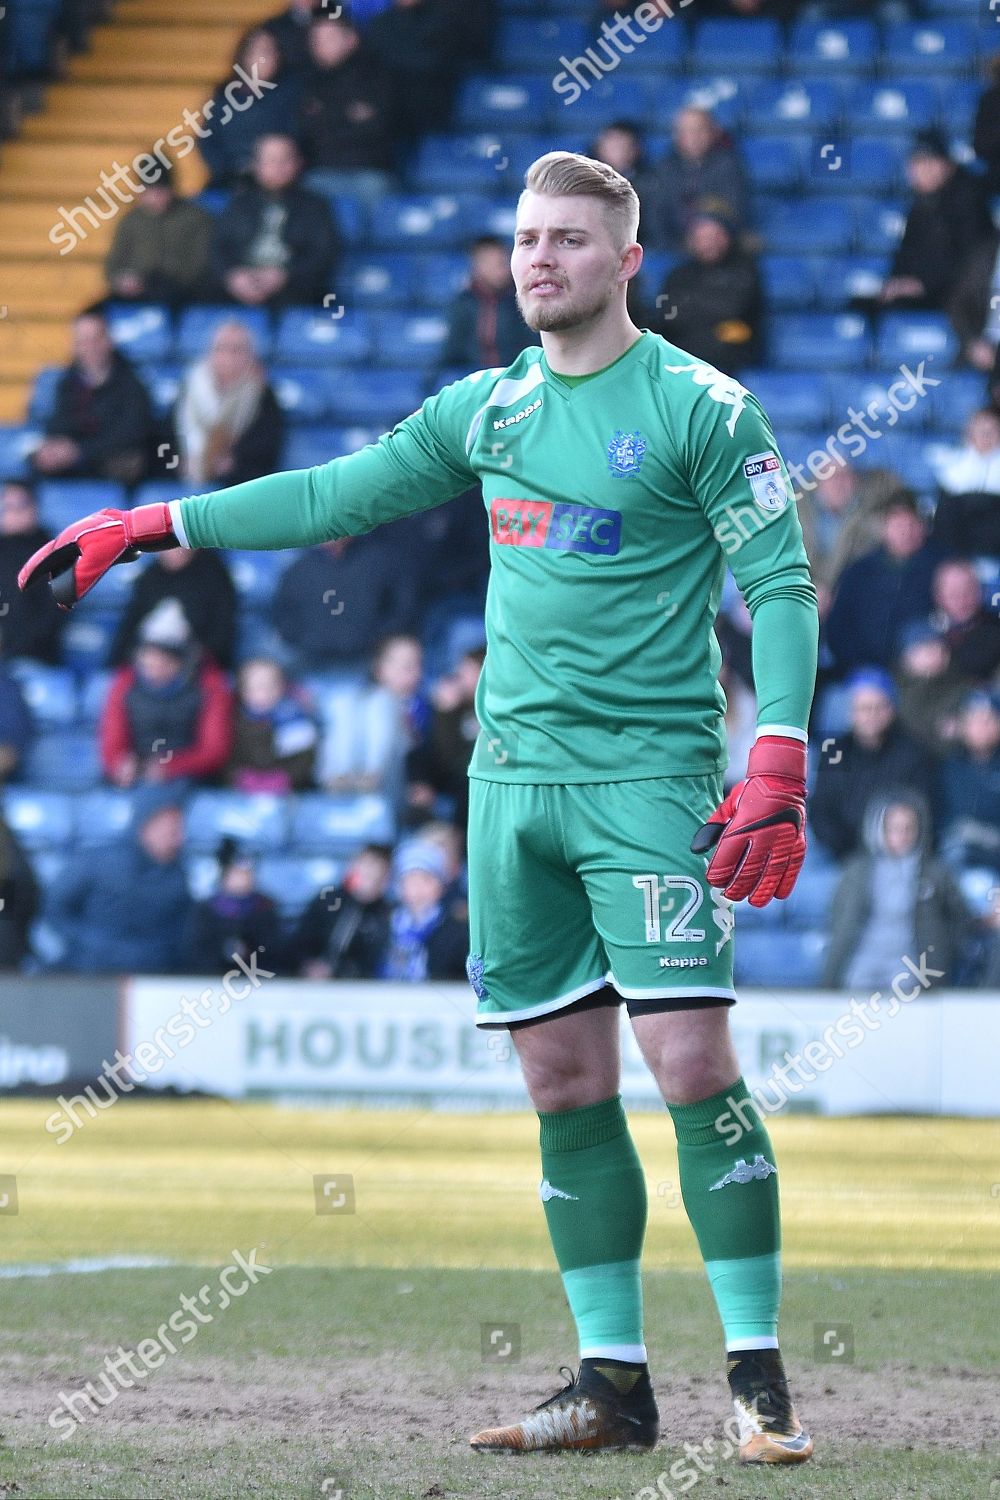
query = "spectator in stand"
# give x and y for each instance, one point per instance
(439, 766)
(30, 623)
(275, 736)
(102, 424)
(343, 932)
(346, 114)
(15, 725)
(967, 519)
(365, 747)
(259, 97)
(874, 757)
(986, 130)
(290, 30)
(621, 145)
(19, 899)
(125, 909)
(451, 840)
(839, 523)
(428, 937)
(947, 215)
(228, 424)
(931, 689)
(894, 899)
(162, 249)
(450, 545)
(485, 327)
(418, 45)
(710, 304)
(973, 307)
(200, 583)
(883, 590)
(335, 602)
(971, 631)
(236, 921)
(969, 788)
(276, 244)
(702, 169)
(168, 716)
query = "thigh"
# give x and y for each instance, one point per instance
(571, 1059)
(690, 1053)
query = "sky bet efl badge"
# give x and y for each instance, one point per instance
(766, 481)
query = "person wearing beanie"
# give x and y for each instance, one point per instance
(948, 215)
(427, 940)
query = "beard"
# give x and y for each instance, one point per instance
(569, 312)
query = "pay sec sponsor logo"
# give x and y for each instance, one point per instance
(566, 528)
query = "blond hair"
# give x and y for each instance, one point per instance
(568, 174)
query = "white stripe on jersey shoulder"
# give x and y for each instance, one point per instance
(505, 393)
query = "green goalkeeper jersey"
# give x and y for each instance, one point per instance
(614, 506)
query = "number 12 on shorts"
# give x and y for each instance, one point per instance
(688, 899)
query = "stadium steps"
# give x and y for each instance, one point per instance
(152, 60)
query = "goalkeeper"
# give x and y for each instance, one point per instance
(620, 477)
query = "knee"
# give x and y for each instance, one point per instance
(561, 1086)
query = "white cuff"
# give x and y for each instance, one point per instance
(174, 507)
(787, 731)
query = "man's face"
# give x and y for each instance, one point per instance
(694, 132)
(980, 729)
(91, 343)
(619, 148)
(983, 431)
(900, 828)
(18, 511)
(491, 267)
(276, 163)
(708, 241)
(926, 659)
(231, 356)
(565, 263)
(871, 714)
(162, 835)
(957, 592)
(331, 44)
(836, 493)
(369, 877)
(902, 532)
(928, 173)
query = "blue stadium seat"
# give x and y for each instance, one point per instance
(48, 867)
(833, 47)
(524, 42)
(490, 103)
(847, 276)
(93, 691)
(656, 266)
(87, 639)
(421, 221)
(794, 104)
(308, 447)
(413, 341)
(943, 47)
(878, 225)
(339, 825)
(39, 819)
(786, 226)
(959, 98)
(256, 574)
(810, 902)
(779, 959)
(438, 276)
(483, 216)
(65, 761)
(163, 382)
(751, 46)
(292, 882)
(865, 164)
(49, 692)
(300, 395)
(376, 397)
(303, 336)
(61, 501)
(912, 336)
(907, 454)
(197, 326)
(141, 330)
(379, 280)
(951, 403)
(903, 105)
(775, 162)
(791, 398)
(43, 394)
(258, 820)
(16, 442)
(459, 163)
(663, 51)
(619, 96)
(102, 816)
(941, 8)
(790, 281)
(818, 341)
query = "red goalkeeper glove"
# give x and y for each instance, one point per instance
(759, 831)
(84, 551)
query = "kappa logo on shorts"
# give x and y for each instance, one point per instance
(474, 968)
(563, 527)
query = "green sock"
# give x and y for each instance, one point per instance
(594, 1194)
(730, 1192)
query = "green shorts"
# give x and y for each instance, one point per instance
(572, 888)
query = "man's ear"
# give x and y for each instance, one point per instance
(630, 262)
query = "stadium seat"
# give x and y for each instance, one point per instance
(878, 226)
(421, 221)
(904, 105)
(43, 394)
(62, 501)
(959, 98)
(300, 395)
(950, 404)
(49, 692)
(103, 815)
(16, 443)
(787, 225)
(775, 162)
(862, 164)
(458, 163)
(93, 692)
(751, 46)
(339, 825)
(810, 902)
(790, 398)
(379, 280)
(438, 276)
(790, 281)
(910, 336)
(795, 104)
(197, 326)
(39, 819)
(292, 882)
(943, 47)
(490, 103)
(88, 637)
(539, 42)
(818, 341)
(309, 447)
(412, 341)
(662, 52)
(376, 397)
(303, 335)
(65, 761)
(258, 820)
(833, 47)
(256, 574)
(618, 96)
(142, 330)
(905, 453)
(163, 382)
(844, 277)
(484, 217)
(779, 960)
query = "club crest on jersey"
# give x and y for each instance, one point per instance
(626, 451)
(767, 484)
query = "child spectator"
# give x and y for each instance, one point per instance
(228, 423)
(368, 740)
(236, 921)
(275, 735)
(427, 938)
(169, 715)
(342, 933)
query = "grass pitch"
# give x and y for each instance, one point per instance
(360, 1363)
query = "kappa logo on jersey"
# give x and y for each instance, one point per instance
(519, 416)
(626, 451)
(722, 388)
(562, 527)
(767, 483)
